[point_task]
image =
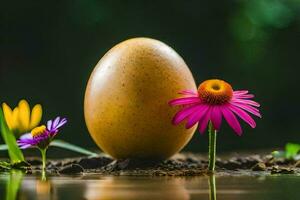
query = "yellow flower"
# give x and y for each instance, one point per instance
(20, 120)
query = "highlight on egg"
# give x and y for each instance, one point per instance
(126, 101)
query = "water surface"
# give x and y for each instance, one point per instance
(95, 187)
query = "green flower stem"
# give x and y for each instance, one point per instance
(44, 160)
(212, 147)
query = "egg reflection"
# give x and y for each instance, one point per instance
(112, 188)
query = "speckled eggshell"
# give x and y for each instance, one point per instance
(126, 101)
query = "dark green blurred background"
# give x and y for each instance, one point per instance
(49, 49)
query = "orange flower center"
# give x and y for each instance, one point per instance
(215, 91)
(38, 131)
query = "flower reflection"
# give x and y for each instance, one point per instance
(123, 188)
(38, 189)
(44, 190)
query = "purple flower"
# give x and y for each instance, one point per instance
(42, 136)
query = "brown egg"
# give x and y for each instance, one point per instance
(126, 101)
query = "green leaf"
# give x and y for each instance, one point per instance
(291, 150)
(3, 147)
(14, 152)
(72, 147)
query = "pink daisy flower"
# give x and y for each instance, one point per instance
(214, 100)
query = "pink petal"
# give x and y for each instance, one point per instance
(243, 115)
(231, 120)
(195, 117)
(254, 108)
(248, 108)
(188, 92)
(204, 121)
(240, 92)
(184, 101)
(244, 101)
(216, 117)
(184, 113)
(243, 96)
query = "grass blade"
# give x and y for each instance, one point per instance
(14, 152)
(72, 147)
(4, 166)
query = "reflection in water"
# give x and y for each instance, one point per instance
(116, 188)
(94, 187)
(13, 184)
(212, 187)
(15, 188)
(44, 190)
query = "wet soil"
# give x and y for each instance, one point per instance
(184, 164)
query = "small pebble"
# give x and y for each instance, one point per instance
(282, 170)
(259, 167)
